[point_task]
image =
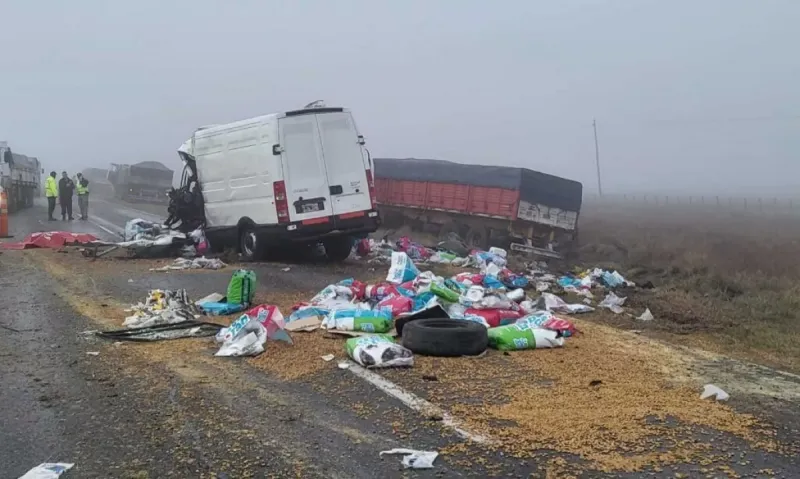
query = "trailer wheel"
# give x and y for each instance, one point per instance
(338, 248)
(476, 236)
(250, 243)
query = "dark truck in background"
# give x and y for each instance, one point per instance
(146, 182)
(20, 178)
(509, 207)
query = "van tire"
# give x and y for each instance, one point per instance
(338, 248)
(251, 245)
(445, 337)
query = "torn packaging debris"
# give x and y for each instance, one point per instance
(247, 335)
(184, 329)
(162, 307)
(195, 263)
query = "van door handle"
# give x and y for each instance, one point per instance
(336, 190)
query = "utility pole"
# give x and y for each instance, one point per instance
(597, 158)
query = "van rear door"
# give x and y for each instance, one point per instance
(304, 172)
(344, 162)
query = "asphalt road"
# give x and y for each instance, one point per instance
(122, 414)
(163, 411)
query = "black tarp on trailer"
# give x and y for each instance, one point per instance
(534, 187)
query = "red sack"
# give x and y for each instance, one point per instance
(496, 317)
(380, 291)
(397, 304)
(560, 325)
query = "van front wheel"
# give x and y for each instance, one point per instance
(338, 248)
(250, 244)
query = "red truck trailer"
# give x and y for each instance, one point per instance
(485, 205)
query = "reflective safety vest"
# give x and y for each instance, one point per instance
(80, 189)
(50, 187)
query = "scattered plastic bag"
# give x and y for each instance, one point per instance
(367, 321)
(495, 317)
(551, 302)
(613, 302)
(48, 470)
(523, 335)
(220, 309)
(378, 351)
(712, 391)
(402, 269)
(246, 336)
(396, 305)
(546, 320)
(646, 316)
(413, 459)
(613, 279)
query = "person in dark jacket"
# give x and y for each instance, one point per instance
(66, 188)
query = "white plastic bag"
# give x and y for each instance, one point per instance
(712, 391)
(247, 341)
(613, 302)
(415, 459)
(378, 351)
(48, 470)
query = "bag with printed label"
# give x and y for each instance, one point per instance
(523, 335)
(396, 304)
(378, 351)
(242, 287)
(402, 269)
(546, 320)
(366, 321)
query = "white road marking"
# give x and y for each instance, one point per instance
(414, 402)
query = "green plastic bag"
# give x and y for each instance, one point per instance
(363, 320)
(445, 293)
(242, 287)
(523, 335)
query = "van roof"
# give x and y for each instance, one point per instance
(266, 118)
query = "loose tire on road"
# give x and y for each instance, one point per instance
(445, 337)
(338, 248)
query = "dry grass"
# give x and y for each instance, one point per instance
(729, 278)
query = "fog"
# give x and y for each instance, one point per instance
(696, 97)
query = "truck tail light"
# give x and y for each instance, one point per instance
(371, 184)
(281, 203)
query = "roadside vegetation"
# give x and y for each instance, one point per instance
(729, 279)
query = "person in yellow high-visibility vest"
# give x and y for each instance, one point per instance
(51, 192)
(82, 188)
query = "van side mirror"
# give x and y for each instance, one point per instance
(361, 140)
(42, 170)
(276, 149)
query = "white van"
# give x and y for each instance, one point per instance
(300, 176)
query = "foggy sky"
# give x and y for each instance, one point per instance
(691, 96)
